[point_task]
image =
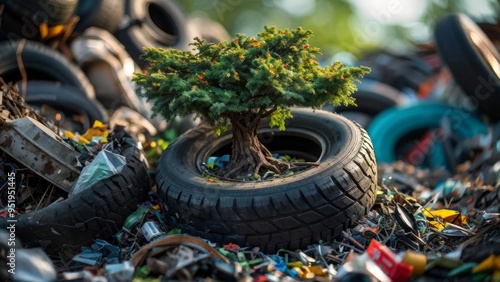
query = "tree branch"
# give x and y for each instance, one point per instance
(266, 114)
(238, 124)
(258, 118)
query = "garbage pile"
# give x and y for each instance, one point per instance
(13, 106)
(413, 233)
(426, 225)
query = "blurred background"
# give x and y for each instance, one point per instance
(74, 61)
(343, 28)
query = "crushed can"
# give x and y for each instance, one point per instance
(150, 231)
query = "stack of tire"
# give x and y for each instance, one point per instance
(430, 133)
(395, 80)
(36, 40)
(51, 81)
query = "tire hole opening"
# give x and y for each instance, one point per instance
(293, 144)
(162, 22)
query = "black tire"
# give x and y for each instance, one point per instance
(105, 14)
(42, 63)
(14, 28)
(153, 23)
(465, 49)
(290, 212)
(372, 98)
(51, 12)
(401, 71)
(66, 99)
(98, 211)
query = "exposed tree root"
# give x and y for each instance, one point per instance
(278, 167)
(249, 157)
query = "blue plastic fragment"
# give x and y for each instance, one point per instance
(223, 161)
(88, 257)
(107, 250)
(212, 160)
(225, 158)
(280, 263)
(293, 273)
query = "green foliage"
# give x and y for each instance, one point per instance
(278, 117)
(246, 77)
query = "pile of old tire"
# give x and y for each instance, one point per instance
(23, 19)
(372, 98)
(66, 101)
(405, 72)
(35, 29)
(96, 212)
(153, 23)
(290, 212)
(53, 82)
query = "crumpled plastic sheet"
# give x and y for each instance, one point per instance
(104, 165)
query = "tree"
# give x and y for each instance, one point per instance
(242, 82)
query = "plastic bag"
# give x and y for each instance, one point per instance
(104, 165)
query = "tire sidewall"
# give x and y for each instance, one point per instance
(40, 58)
(465, 61)
(66, 98)
(373, 97)
(147, 34)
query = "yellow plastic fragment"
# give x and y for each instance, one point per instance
(446, 215)
(83, 140)
(496, 276)
(97, 124)
(294, 264)
(301, 272)
(428, 213)
(417, 260)
(317, 270)
(92, 132)
(438, 225)
(47, 32)
(411, 199)
(105, 136)
(44, 30)
(489, 264)
(69, 134)
(55, 30)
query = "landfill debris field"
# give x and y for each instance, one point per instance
(402, 186)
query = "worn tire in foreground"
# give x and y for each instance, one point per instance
(290, 212)
(97, 211)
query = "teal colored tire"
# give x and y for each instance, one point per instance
(396, 125)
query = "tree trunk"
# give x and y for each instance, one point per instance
(248, 154)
